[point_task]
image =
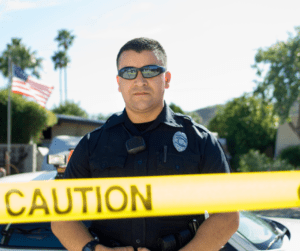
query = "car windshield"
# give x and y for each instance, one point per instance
(37, 236)
(259, 232)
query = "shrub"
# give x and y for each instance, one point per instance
(254, 161)
(29, 119)
(291, 154)
(246, 123)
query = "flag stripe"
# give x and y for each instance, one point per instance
(28, 94)
(30, 87)
(27, 88)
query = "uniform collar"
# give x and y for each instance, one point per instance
(166, 116)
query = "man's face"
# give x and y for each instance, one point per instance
(142, 94)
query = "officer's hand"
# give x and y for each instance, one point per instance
(143, 249)
(102, 248)
(122, 249)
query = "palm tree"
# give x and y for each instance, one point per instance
(60, 60)
(20, 56)
(65, 39)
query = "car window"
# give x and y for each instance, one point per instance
(254, 229)
(259, 232)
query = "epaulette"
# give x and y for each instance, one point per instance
(103, 126)
(97, 129)
(193, 122)
(117, 114)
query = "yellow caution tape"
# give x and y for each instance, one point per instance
(111, 198)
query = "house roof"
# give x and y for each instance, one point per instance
(294, 111)
(78, 120)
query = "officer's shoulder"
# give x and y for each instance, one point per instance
(113, 118)
(188, 121)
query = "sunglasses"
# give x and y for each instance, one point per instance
(148, 71)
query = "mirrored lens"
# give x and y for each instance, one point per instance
(128, 73)
(151, 71)
(148, 71)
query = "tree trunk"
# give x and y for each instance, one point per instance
(298, 121)
(66, 84)
(60, 84)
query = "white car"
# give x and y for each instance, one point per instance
(59, 145)
(254, 233)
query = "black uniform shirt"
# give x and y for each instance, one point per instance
(102, 153)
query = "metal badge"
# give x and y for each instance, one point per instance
(180, 141)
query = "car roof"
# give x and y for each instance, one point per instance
(24, 177)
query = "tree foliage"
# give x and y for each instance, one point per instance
(247, 123)
(65, 39)
(28, 121)
(176, 108)
(281, 82)
(291, 154)
(254, 161)
(101, 116)
(60, 58)
(70, 108)
(21, 56)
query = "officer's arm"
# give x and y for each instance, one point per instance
(73, 235)
(214, 232)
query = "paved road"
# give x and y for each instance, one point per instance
(293, 213)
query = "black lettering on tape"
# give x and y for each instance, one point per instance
(83, 191)
(38, 194)
(147, 202)
(125, 199)
(55, 201)
(98, 196)
(7, 196)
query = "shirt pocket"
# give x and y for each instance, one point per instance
(178, 164)
(109, 166)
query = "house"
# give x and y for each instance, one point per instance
(71, 126)
(288, 133)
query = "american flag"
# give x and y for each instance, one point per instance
(31, 87)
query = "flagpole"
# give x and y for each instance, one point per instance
(7, 154)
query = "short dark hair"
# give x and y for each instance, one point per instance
(144, 44)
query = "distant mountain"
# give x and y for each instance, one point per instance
(207, 113)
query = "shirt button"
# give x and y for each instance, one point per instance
(138, 241)
(140, 162)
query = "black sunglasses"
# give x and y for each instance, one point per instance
(148, 71)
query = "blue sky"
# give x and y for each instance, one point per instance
(210, 44)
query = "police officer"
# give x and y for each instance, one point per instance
(146, 139)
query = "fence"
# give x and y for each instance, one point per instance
(23, 157)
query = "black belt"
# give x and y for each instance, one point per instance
(172, 242)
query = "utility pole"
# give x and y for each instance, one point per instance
(7, 153)
(66, 98)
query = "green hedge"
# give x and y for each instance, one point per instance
(291, 154)
(28, 119)
(254, 161)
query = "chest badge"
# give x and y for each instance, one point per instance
(180, 141)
